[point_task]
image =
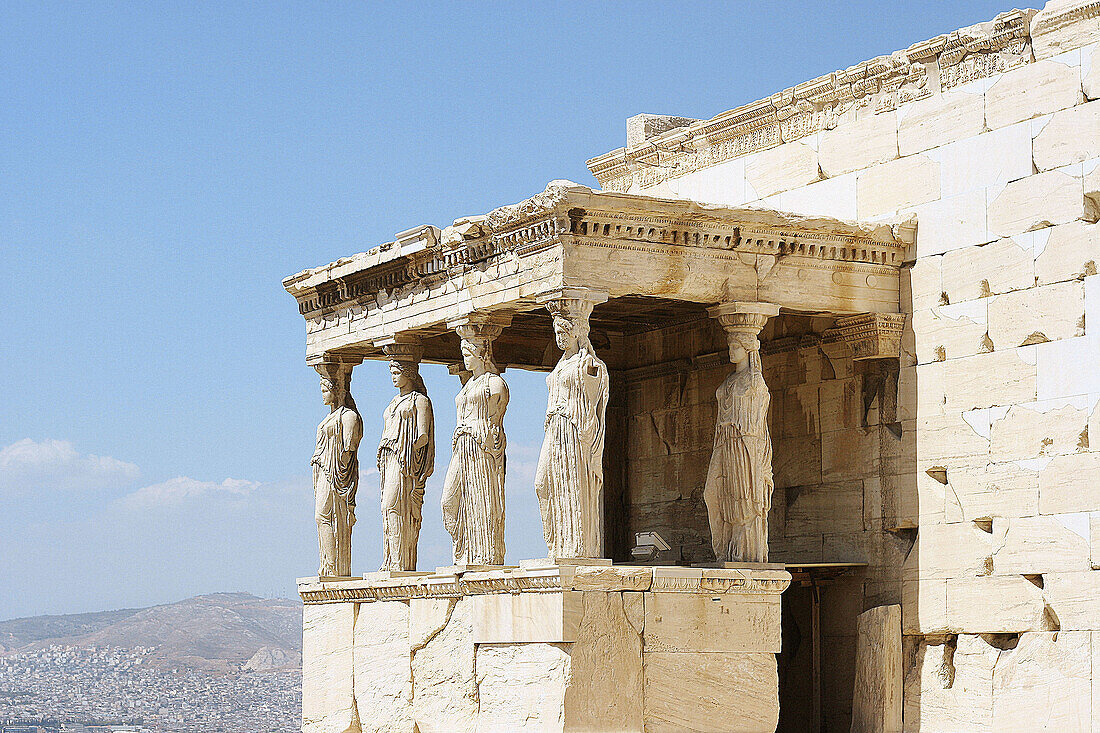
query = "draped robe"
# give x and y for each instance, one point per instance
(404, 469)
(335, 480)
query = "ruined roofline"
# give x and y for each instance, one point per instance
(878, 85)
(563, 207)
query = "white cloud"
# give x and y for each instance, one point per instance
(31, 466)
(176, 491)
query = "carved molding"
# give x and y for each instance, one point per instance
(872, 335)
(879, 85)
(402, 348)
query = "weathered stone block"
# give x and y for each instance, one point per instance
(1071, 136)
(899, 184)
(1039, 314)
(824, 507)
(859, 144)
(925, 283)
(1063, 25)
(690, 622)
(1071, 251)
(1068, 484)
(1038, 545)
(951, 331)
(834, 197)
(383, 667)
(1073, 598)
(444, 686)
(877, 700)
(750, 706)
(1038, 201)
(1053, 379)
(953, 222)
(986, 380)
(782, 168)
(994, 604)
(924, 606)
(1032, 90)
(950, 551)
(943, 440)
(988, 159)
(521, 687)
(1038, 429)
(328, 698)
(939, 120)
(509, 618)
(988, 490)
(990, 269)
(949, 686)
(1090, 68)
(1044, 684)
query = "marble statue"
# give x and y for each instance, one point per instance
(406, 458)
(569, 477)
(335, 465)
(738, 489)
(473, 492)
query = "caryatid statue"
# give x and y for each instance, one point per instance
(406, 457)
(738, 490)
(473, 491)
(569, 477)
(335, 465)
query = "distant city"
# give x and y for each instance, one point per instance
(194, 682)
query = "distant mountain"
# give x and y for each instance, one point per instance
(219, 632)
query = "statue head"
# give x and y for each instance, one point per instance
(406, 376)
(741, 345)
(571, 325)
(477, 354)
(328, 391)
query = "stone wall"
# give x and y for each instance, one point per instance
(981, 518)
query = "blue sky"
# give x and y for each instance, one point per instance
(164, 166)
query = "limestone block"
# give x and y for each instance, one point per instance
(950, 551)
(1031, 90)
(1044, 313)
(925, 283)
(503, 618)
(988, 490)
(899, 184)
(723, 183)
(607, 656)
(859, 144)
(988, 159)
(942, 440)
(1090, 68)
(729, 692)
(522, 687)
(1038, 429)
(930, 123)
(1044, 684)
(994, 604)
(824, 507)
(843, 403)
(693, 622)
(835, 197)
(782, 168)
(1038, 545)
(1071, 136)
(1067, 484)
(986, 380)
(924, 606)
(877, 699)
(848, 454)
(1062, 367)
(1071, 251)
(796, 461)
(444, 687)
(1073, 598)
(328, 699)
(949, 686)
(953, 222)
(1038, 201)
(951, 331)
(1063, 25)
(921, 391)
(383, 667)
(990, 269)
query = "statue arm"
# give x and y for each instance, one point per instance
(352, 431)
(423, 422)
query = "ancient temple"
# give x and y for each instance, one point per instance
(820, 386)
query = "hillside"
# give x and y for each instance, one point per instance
(219, 632)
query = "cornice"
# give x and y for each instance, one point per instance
(879, 85)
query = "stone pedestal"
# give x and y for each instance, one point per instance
(557, 647)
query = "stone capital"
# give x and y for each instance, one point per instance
(872, 335)
(741, 317)
(480, 325)
(336, 367)
(401, 347)
(589, 295)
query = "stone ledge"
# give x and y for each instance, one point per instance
(607, 578)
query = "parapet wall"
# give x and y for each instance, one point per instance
(989, 531)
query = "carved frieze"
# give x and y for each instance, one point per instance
(872, 335)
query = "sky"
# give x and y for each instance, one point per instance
(164, 165)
